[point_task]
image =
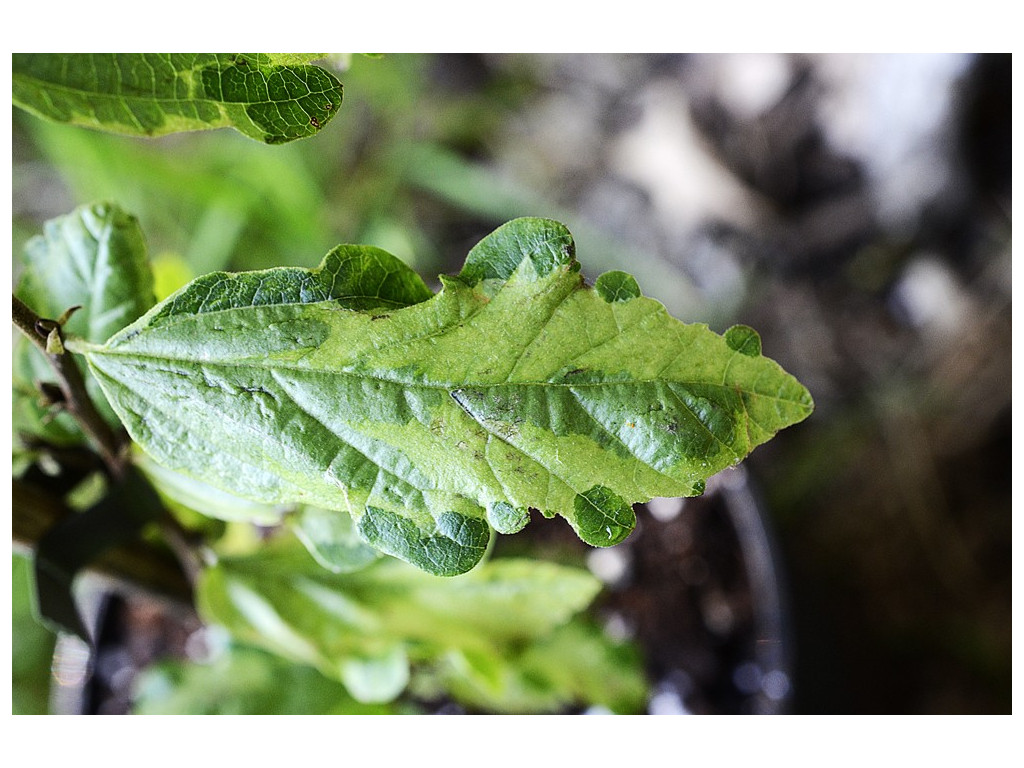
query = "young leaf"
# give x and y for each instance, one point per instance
(273, 98)
(427, 417)
(93, 258)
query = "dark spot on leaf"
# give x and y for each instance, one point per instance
(314, 122)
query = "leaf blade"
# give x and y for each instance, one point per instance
(273, 99)
(517, 386)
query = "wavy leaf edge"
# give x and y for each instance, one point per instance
(434, 514)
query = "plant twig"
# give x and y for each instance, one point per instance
(47, 335)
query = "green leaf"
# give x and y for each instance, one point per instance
(617, 286)
(243, 681)
(30, 413)
(180, 492)
(331, 539)
(576, 665)
(366, 627)
(517, 386)
(379, 678)
(232, 199)
(95, 258)
(269, 97)
(32, 645)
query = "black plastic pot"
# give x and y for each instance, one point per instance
(698, 587)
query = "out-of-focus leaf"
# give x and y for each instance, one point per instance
(170, 273)
(332, 539)
(577, 665)
(283, 601)
(431, 418)
(31, 645)
(267, 97)
(379, 678)
(244, 681)
(233, 200)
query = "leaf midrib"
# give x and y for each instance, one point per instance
(286, 365)
(125, 97)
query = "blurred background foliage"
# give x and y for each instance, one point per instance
(854, 209)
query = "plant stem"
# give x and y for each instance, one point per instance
(69, 378)
(112, 446)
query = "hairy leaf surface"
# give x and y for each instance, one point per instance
(273, 98)
(432, 418)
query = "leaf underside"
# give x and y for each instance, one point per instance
(433, 418)
(273, 98)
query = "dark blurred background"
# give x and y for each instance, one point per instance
(855, 209)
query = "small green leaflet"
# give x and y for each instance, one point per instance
(433, 418)
(274, 98)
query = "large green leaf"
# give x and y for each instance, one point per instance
(427, 417)
(95, 258)
(270, 97)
